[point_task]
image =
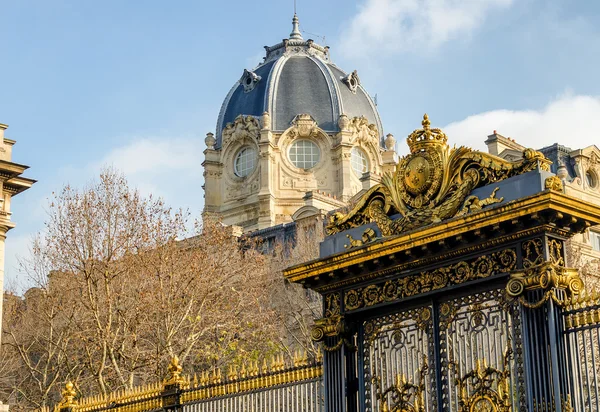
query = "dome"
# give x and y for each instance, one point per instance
(297, 77)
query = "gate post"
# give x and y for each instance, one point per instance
(543, 287)
(171, 394)
(339, 358)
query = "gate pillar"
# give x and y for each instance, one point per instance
(543, 287)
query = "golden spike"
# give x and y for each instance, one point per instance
(265, 367)
(195, 379)
(243, 371)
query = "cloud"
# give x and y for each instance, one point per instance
(167, 167)
(569, 120)
(399, 25)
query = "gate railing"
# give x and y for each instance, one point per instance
(582, 340)
(272, 387)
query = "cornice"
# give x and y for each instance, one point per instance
(570, 215)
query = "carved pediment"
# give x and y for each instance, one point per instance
(303, 125)
(243, 127)
(432, 183)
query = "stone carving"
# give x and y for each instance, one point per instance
(390, 142)
(210, 141)
(343, 122)
(352, 81)
(303, 125)
(430, 184)
(249, 80)
(362, 131)
(243, 127)
(266, 121)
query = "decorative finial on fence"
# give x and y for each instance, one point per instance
(174, 376)
(68, 397)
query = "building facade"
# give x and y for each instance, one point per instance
(296, 136)
(12, 183)
(579, 172)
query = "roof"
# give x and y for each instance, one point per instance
(297, 77)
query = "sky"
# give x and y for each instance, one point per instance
(137, 85)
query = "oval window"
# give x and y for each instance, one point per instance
(245, 161)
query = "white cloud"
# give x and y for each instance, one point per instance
(570, 120)
(153, 154)
(167, 167)
(397, 25)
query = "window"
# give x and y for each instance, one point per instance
(359, 161)
(304, 154)
(245, 161)
(595, 240)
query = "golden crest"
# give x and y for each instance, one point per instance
(432, 183)
(422, 177)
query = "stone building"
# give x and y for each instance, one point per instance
(12, 183)
(579, 170)
(296, 136)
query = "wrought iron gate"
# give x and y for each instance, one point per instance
(464, 352)
(582, 341)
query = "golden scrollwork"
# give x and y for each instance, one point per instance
(555, 248)
(431, 184)
(367, 237)
(553, 183)
(485, 388)
(532, 252)
(474, 204)
(548, 277)
(402, 395)
(391, 290)
(332, 304)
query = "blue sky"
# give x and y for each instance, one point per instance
(138, 84)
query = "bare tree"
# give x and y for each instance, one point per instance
(295, 306)
(119, 293)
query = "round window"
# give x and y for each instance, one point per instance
(245, 161)
(359, 161)
(590, 177)
(304, 154)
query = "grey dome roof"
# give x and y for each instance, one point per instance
(297, 77)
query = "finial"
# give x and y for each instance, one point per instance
(295, 34)
(68, 396)
(426, 123)
(174, 372)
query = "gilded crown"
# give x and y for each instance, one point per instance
(426, 137)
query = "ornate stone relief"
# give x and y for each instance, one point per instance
(362, 131)
(303, 126)
(352, 81)
(243, 127)
(249, 80)
(240, 190)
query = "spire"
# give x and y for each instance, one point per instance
(295, 34)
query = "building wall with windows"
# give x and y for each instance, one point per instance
(296, 136)
(579, 171)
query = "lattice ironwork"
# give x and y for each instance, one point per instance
(582, 339)
(399, 361)
(481, 354)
